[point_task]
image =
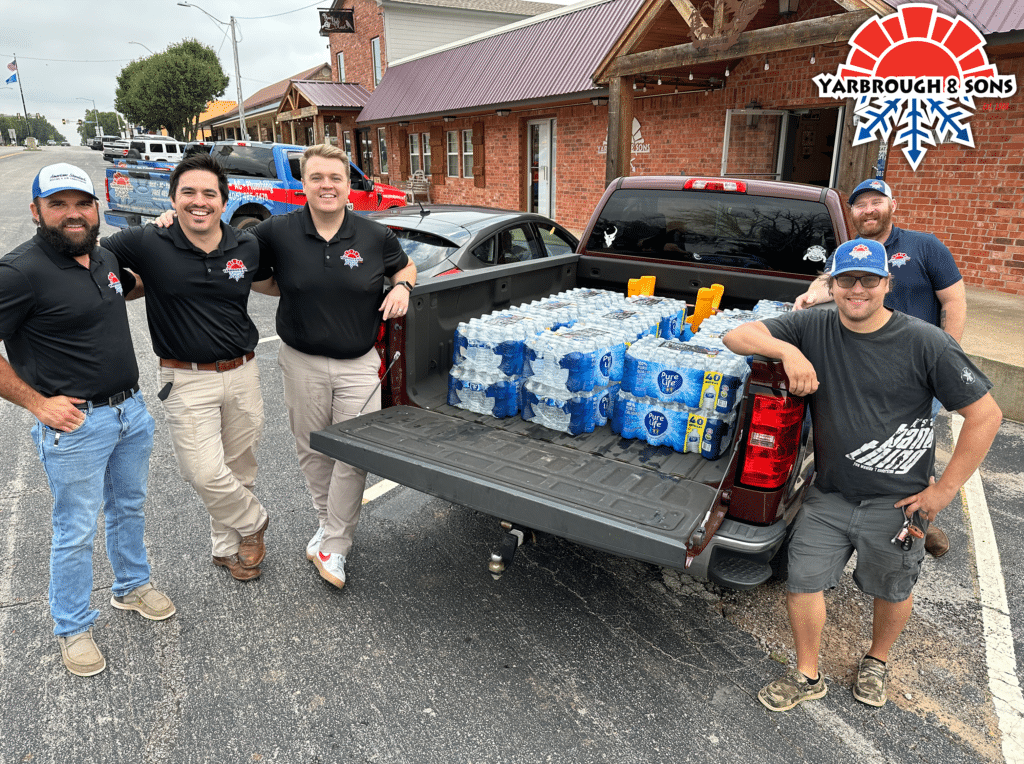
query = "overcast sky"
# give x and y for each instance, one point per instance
(71, 49)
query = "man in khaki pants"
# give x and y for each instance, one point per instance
(197, 276)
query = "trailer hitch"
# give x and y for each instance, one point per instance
(511, 540)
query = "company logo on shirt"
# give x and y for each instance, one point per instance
(235, 269)
(899, 259)
(900, 451)
(351, 258)
(114, 283)
(967, 376)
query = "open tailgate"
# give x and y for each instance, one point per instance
(616, 495)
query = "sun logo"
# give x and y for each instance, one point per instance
(916, 72)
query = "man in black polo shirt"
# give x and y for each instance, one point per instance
(329, 268)
(197, 275)
(72, 365)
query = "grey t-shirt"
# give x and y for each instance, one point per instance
(872, 410)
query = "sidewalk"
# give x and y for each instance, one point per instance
(994, 339)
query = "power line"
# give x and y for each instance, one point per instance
(275, 15)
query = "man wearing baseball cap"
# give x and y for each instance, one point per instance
(72, 365)
(926, 281)
(870, 374)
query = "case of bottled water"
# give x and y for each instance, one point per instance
(572, 413)
(656, 422)
(495, 342)
(575, 359)
(670, 312)
(686, 373)
(708, 434)
(484, 392)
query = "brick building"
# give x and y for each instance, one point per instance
(540, 114)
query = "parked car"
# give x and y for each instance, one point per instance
(155, 148)
(100, 142)
(115, 150)
(447, 239)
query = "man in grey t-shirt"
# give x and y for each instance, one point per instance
(870, 374)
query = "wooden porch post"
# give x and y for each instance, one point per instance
(620, 128)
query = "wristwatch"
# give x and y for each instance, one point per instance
(406, 284)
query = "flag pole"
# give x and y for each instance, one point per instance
(23, 106)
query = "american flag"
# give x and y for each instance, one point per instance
(13, 66)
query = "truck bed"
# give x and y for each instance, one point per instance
(618, 495)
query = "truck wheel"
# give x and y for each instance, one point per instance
(247, 222)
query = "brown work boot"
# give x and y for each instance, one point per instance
(236, 569)
(252, 550)
(936, 543)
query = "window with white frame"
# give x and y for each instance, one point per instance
(375, 52)
(382, 148)
(347, 136)
(467, 153)
(341, 66)
(452, 144)
(425, 140)
(414, 153)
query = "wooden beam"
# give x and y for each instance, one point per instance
(800, 34)
(620, 128)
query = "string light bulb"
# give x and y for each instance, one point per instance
(691, 76)
(727, 71)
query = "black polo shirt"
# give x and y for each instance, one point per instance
(65, 327)
(196, 303)
(331, 291)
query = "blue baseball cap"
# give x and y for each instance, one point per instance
(61, 177)
(865, 255)
(871, 184)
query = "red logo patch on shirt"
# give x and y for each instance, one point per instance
(235, 269)
(114, 283)
(351, 258)
(899, 259)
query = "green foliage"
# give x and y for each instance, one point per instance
(171, 89)
(37, 127)
(108, 121)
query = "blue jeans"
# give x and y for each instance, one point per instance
(104, 463)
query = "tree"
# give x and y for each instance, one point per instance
(171, 89)
(38, 127)
(108, 121)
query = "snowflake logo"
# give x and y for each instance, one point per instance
(915, 73)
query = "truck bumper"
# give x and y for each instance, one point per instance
(120, 219)
(739, 555)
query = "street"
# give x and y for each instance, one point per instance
(572, 656)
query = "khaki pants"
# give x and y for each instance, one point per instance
(215, 420)
(319, 392)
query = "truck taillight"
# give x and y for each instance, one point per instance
(773, 441)
(711, 184)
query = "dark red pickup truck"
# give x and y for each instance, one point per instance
(719, 520)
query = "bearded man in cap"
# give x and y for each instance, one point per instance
(870, 374)
(72, 366)
(926, 281)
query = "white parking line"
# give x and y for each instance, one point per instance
(1002, 664)
(377, 490)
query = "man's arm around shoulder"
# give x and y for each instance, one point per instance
(753, 338)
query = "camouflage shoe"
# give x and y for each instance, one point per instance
(785, 692)
(870, 685)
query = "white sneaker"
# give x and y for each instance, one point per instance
(314, 544)
(331, 567)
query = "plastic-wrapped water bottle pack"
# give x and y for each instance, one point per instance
(672, 424)
(575, 359)
(484, 392)
(572, 413)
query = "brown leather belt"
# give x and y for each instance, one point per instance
(234, 363)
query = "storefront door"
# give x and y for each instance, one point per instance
(800, 145)
(540, 177)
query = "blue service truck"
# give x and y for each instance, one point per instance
(263, 180)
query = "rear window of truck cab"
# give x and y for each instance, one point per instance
(716, 228)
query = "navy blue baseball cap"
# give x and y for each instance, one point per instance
(865, 255)
(871, 184)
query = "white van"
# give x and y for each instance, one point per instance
(155, 148)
